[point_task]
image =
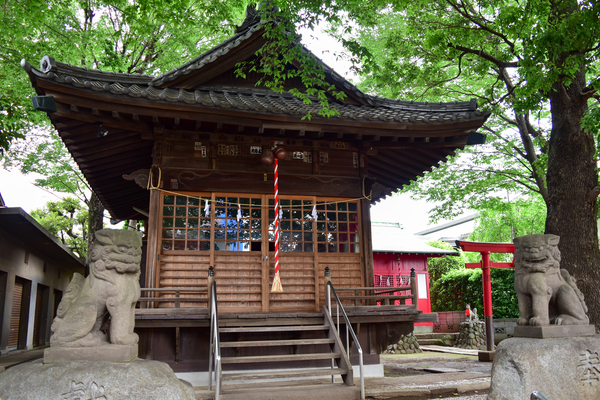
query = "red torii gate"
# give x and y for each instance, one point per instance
(485, 249)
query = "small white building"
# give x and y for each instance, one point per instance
(35, 269)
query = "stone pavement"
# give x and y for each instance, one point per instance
(450, 373)
(427, 375)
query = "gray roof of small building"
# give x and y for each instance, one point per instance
(389, 238)
(17, 223)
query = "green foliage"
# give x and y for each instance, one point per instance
(67, 220)
(511, 56)
(438, 266)
(134, 36)
(502, 221)
(459, 287)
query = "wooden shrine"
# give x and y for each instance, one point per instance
(189, 152)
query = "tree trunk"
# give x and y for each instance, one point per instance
(571, 176)
(95, 218)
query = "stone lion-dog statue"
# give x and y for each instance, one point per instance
(547, 294)
(111, 289)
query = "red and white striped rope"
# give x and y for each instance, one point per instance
(276, 216)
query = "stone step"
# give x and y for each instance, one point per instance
(300, 373)
(270, 343)
(426, 342)
(292, 391)
(437, 339)
(280, 358)
(265, 329)
(435, 335)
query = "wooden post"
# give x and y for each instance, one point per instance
(367, 245)
(485, 249)
(153, 247)
(414, 291)
(210, 280)
(487, 299)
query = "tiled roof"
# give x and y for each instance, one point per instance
(391, 239)
(207, 57)
(256, 99)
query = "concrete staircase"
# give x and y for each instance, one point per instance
(291, 359)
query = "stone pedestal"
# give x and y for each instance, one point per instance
(140, 379)
(406, 345)
(471, 335)
(559, 368)
(108, 352)
(554, 331)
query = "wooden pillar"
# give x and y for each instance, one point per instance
(152, 251)
(414, 289)
(367, 243)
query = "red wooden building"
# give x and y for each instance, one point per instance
(184, 151)
(396, 253)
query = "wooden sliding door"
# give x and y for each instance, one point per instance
(235, 234)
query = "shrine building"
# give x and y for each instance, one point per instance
(190, 152)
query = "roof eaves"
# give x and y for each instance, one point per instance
(47, 239)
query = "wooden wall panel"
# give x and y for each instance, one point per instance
(239, 281)
(346, 271)
(297, 274)
(184, 269)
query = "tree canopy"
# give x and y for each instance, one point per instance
(144, 36)
(67, 220)
(533, 62)
(535, 65)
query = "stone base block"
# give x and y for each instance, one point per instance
(555, 331)
(486, 356)
(109, 352)
(561, 368)
(141, 379)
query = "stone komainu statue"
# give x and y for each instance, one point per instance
(111, 289)
(547, 294)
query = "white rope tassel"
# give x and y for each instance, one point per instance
(207, 208)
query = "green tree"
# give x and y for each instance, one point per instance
(525, 60)
(67, 220)
(453, 286)
(439, 266)
(459, 287)
(502, 221)
(149, 36)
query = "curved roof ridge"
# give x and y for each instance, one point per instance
(210, 55)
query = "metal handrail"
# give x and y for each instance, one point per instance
(349, 331)
(215, 344)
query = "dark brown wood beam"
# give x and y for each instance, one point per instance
(394, 170)
(394, 163)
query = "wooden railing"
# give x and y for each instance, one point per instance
(149, 301)
(383, 294)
